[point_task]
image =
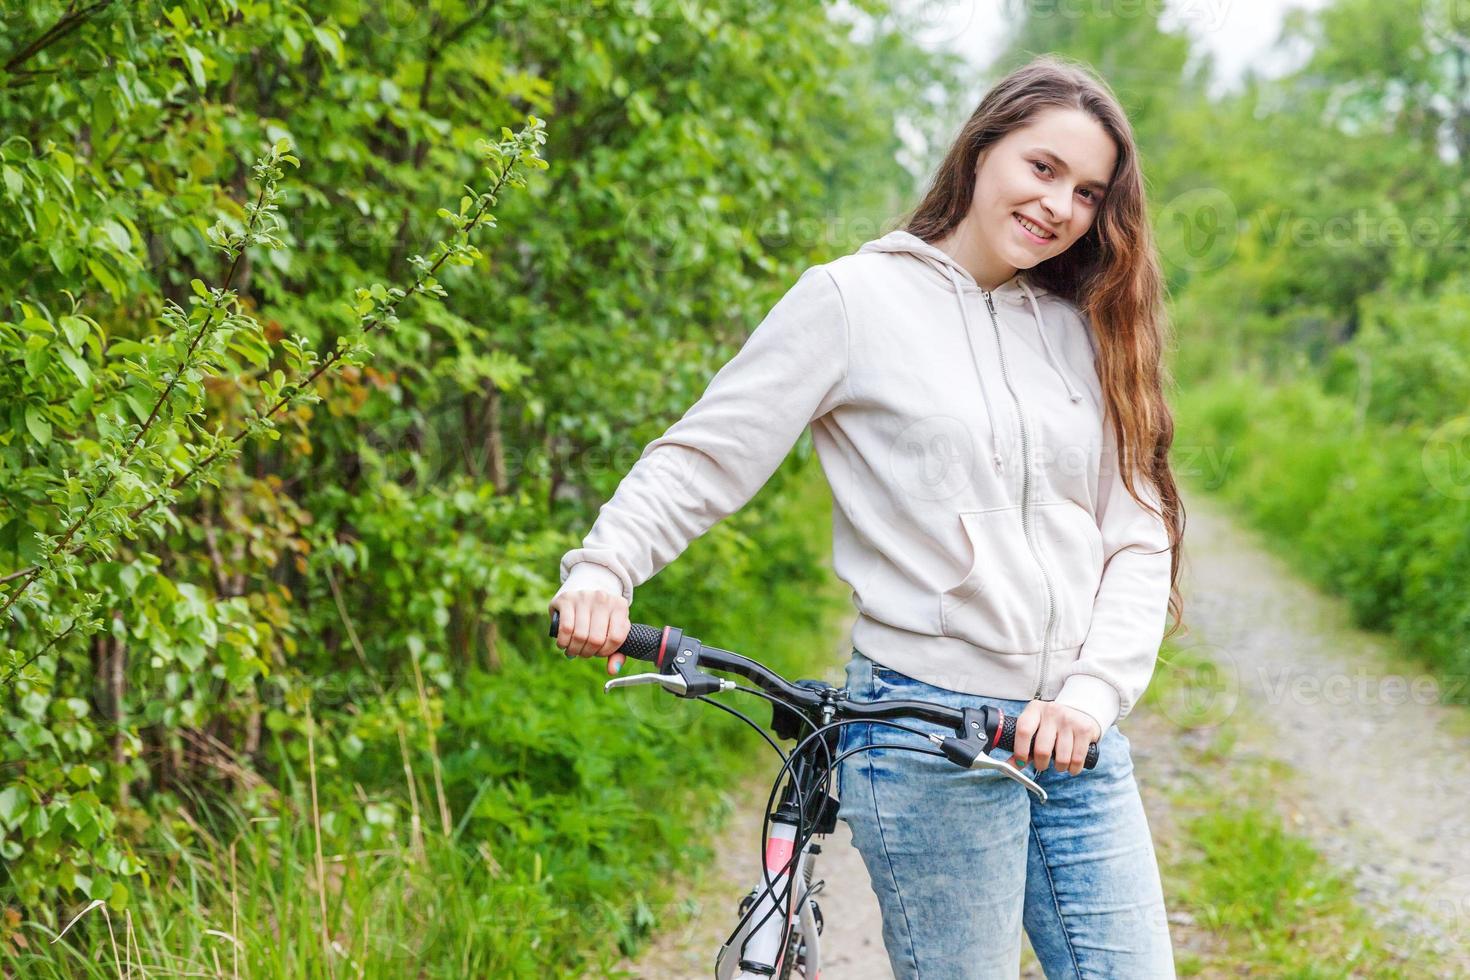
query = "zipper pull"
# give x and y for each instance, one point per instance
(986, 294)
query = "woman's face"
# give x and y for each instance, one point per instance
(1053, 173)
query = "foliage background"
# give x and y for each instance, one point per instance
(309, 703)
(329, 666)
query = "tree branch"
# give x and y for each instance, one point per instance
(69, 22)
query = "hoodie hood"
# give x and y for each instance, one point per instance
(1015, 291)
(944, 266)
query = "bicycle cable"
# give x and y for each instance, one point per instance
(804, 834)
(807, 829)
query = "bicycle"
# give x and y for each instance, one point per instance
(788, 945)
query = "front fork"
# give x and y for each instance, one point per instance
(759, 948)
(764, 947)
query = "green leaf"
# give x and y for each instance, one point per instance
(329, 41)
(38, 425)
(195, 61)
(105, 277)
(14, 802)
(119, 236)
(13, 182)
(77, 365)
(139, 407)
(76, 330)
(103, 111)
(64, 258)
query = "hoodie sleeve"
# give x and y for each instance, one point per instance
(1129, 612)
(791, 370)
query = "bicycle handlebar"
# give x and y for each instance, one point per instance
(676, 654)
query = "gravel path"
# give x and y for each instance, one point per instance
(1328, 699)
(1384, 769)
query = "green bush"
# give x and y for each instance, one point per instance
(293, 449)
(1365, 508)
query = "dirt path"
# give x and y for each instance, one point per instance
(1385, 770)
(1385, 773)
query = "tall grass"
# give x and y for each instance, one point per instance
(574, 813)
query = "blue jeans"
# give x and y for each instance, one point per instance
(961, 858)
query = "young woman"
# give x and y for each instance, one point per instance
(985, 391)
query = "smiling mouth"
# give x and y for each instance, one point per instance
(1032, 229)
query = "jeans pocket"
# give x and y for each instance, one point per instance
(847, 737)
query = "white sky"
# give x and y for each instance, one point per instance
(1237, 32)
(1240, 34)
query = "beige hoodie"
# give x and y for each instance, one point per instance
(978, 517)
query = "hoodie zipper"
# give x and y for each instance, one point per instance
(1025, 494)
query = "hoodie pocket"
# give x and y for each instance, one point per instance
(1001, 603)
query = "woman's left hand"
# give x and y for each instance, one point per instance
(1047, 732)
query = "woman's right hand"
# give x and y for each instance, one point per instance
(593, 624)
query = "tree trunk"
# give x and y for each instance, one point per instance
(494, 440)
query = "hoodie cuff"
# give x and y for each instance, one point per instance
(592, 577)
(1093, 695)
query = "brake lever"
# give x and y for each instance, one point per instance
(983, 761)
(673, 683)
(1013, 773)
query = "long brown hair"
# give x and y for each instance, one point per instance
(1111, 273)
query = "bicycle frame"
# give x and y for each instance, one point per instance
(767, 945)
(784, 922)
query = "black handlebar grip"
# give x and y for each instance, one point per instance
(1006, 741)
(641, 643)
